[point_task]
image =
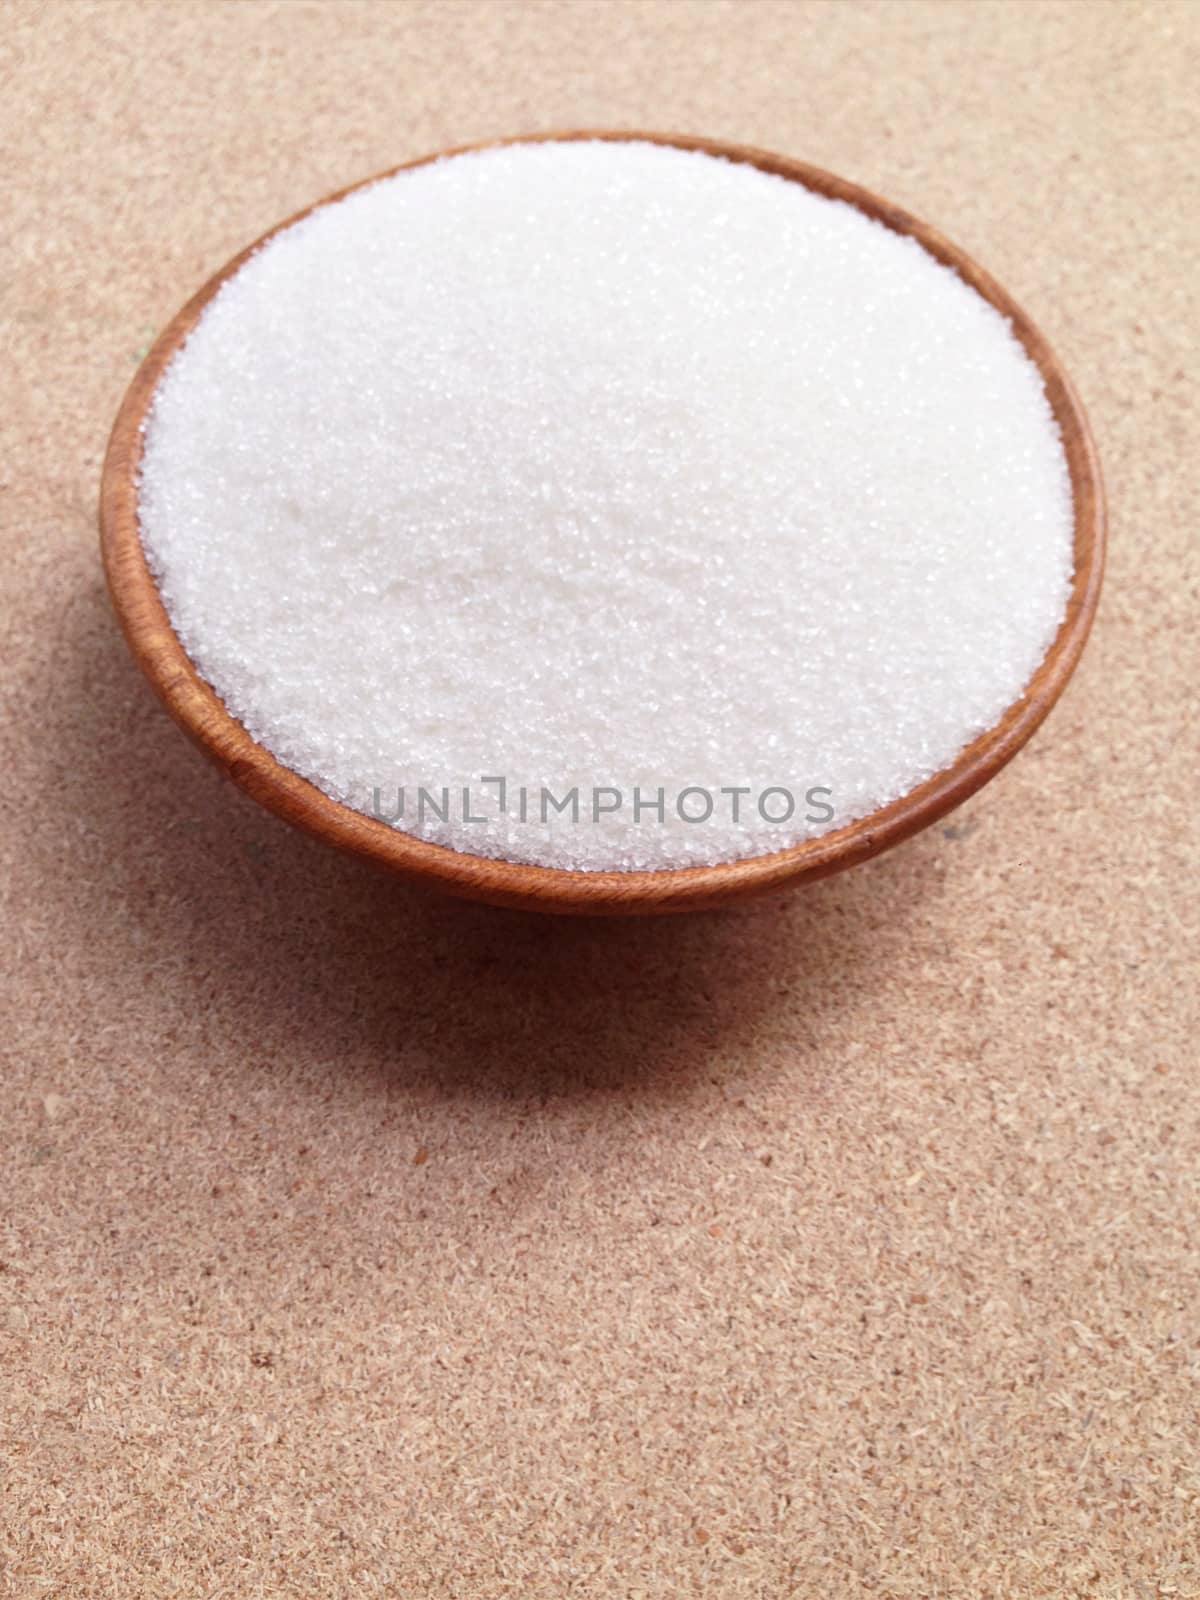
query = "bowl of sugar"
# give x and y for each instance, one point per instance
(604, 522)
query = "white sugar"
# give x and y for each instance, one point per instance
(606, 465)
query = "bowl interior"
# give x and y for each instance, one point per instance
(196, 707)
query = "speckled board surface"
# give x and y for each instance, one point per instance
(355, 1242)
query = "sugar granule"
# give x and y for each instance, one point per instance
(606, 464)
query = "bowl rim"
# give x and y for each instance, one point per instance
(195, 706)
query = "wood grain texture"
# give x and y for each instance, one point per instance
(199, 711)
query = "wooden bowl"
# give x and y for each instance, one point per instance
(196, 708)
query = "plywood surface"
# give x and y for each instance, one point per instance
(354, 1242)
